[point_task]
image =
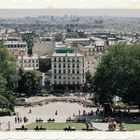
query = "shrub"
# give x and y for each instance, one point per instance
(5, 112)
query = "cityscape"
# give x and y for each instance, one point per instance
(70, 72)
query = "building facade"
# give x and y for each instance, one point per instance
(16, 48)
(28, 62)
(67, 67)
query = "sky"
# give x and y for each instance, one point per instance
(67, 4)
(22, 8)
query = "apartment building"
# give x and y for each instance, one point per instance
(16, 48)
(28, 62)
(67, 67)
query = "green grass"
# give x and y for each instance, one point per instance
(56, 126)
(132, 127)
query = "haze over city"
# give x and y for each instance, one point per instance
(14, 13)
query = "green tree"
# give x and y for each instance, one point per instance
(29, 84)
(30, 42)
(119, 74)
(8, 78)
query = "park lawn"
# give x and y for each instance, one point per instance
(132, 127)
(56, 126)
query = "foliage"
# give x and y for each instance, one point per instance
(119, 74)
(29, 84)
(8, 79)
(30, 42)
(5, 112)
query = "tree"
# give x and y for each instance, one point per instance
(8, 78)
(30, 42)
(119, 74)
(29, 84)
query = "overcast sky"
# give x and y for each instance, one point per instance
(53, 5)
(6, 13)
(70, 4)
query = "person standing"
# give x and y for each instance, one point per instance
(56, 112)
(9, 125)
(79, 112)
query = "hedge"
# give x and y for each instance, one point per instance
(5, 112)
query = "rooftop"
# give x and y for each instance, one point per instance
(64, 50)
(14, 42)
(67, 54)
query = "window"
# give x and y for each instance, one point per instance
(55, 77)
(54, 59)
(64, 71)
(54, 70)
(68, 70)
(73, 60)
(77, 65)
(59, 59)
(68, 65)
(64, 78)
(64, 65)
(54, 65)
(63, 59)
(59, 77)
(59, 65)
(73, 71)
(59, 71)
(77, 71)
(73, 65)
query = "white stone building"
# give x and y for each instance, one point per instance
(16, 48)
(28, 62)
(67, 67)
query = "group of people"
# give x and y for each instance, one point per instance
(69, 128)
(20, 119)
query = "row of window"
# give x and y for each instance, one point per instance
(60, 77)
(72, 71)
(29, 65)
(66, 59)
(64, 65)
(69, 83)
(16, 46)
(29, 61)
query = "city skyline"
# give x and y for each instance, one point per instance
(21, 13)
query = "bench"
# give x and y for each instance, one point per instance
(40, 129)
(69, 120)
(69, 129)
(51, 120)
(85, 129)
(21, 129)
(39, 121)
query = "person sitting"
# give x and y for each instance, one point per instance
(69, 128)
(37, 128)
(22, 127)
